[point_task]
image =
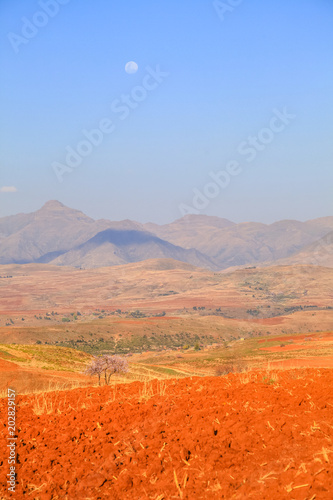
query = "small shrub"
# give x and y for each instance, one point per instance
(224, 369)
(268, 380)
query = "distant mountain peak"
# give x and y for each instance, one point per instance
(54, 208)
(53, 205)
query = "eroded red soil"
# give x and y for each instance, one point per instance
(290, 347)
(240, 436)
(323, 336)
(308, 362)
(300, 342)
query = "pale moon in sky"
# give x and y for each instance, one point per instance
(131, 67)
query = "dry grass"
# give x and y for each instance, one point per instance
(3, 393)
(42, 405)
(59, 386)
(46, 403)
(151, 388)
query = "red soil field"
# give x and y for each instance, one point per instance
(324, 336)
(28, 379)
(308, 362)
(240, 436)
(289, 347)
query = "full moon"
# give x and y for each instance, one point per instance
(131, 67)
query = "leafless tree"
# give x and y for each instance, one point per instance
(112, 365)
(107, 364)
(95, 368)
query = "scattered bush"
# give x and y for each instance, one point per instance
(254, 312)
(224, 369)
(231, 367)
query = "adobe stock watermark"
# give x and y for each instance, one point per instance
(31, 27)
(121, 108)
(12, 439)
(223, 8)
(248, 148)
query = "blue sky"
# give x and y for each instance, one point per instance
(224, 74)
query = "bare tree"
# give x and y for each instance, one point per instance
(107, 364)
(112, 365)
(95, 368)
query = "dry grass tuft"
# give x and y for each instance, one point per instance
(42, 405)
(151, 388)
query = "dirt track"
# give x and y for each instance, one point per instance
(257, 436)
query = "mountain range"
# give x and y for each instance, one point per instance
(61, 235)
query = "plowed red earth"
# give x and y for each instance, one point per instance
(242, 437)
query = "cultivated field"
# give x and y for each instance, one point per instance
(259, 435)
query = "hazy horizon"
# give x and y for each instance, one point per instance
(168, 222)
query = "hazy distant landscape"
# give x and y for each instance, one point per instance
(69, 280)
